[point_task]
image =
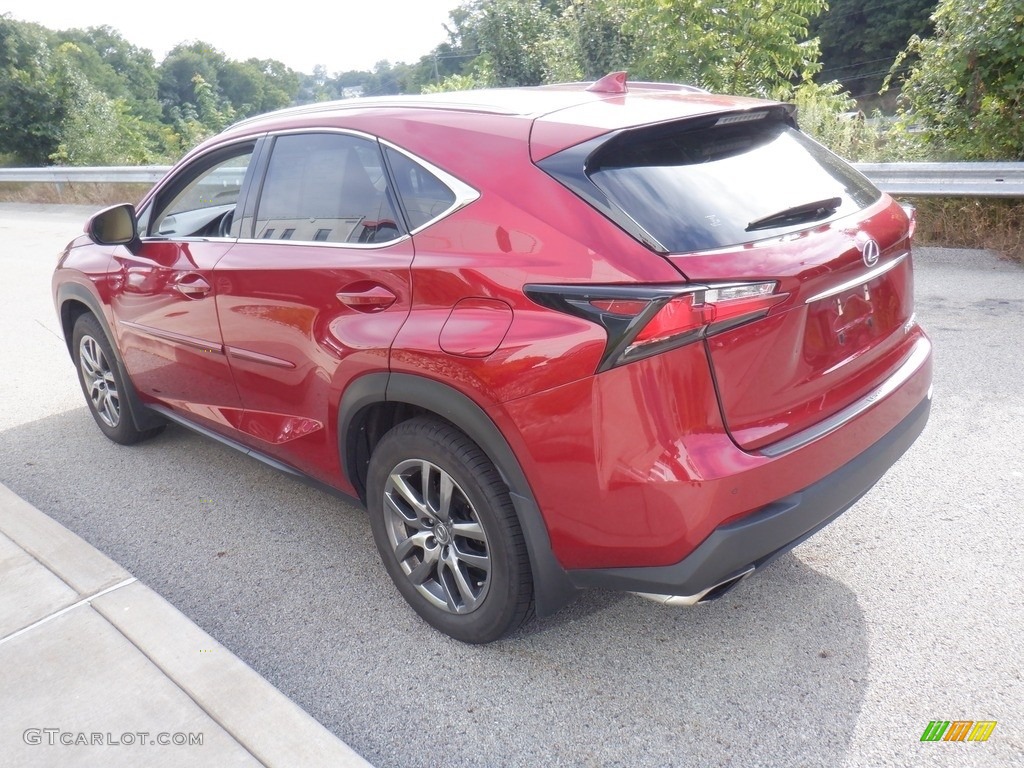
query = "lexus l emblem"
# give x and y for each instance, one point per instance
(869, 252)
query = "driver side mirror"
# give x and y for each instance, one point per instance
(116, 225)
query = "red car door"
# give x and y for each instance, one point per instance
(313, 294)
(164, 296)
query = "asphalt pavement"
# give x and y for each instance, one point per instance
(907, 609)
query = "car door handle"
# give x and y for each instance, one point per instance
(364, 298)
(192, 285)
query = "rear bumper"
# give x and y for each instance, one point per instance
(734, 550)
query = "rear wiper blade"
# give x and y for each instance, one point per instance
(805, 212)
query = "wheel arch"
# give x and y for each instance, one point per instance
(73, 301)
(376, 402)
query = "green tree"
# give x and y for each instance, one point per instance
(103, 131)
(604, 42)
(280, 84)
(242, 85)
(180, 67)
(32, 109)
(513, 37)
(966, 90)
(861, 61)
(831, 116)
(116, 67)
(201, 117)
(726, 46)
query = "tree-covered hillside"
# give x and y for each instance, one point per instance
(91, 97)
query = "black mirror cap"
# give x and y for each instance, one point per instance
(116, 225)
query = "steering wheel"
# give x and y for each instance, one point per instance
(224, 227)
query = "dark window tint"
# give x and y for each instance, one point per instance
(325, 187)
(704, 188)
(424, 196)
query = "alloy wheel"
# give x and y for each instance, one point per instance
(436, 536)
(101, 388)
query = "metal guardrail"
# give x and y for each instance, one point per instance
(911, 179)
(57, 174)
(947, 179)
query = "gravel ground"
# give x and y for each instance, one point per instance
(907, 609)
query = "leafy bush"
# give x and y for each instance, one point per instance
(966, 91)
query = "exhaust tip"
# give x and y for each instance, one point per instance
(704, 596)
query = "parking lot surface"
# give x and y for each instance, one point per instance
(907, 609)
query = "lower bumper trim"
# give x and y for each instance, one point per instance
(736, 549)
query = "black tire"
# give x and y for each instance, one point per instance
(105, 390)
(436, 552)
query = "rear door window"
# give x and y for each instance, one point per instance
(725, 183)
(326, 187)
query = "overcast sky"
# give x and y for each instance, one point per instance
(302, 33)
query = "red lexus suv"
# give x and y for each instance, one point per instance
(622, 335)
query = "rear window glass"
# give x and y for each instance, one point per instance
(716, 186)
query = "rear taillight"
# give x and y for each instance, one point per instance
(644, 320)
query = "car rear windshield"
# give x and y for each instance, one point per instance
(739, 179)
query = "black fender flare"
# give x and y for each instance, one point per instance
(552, 587)
(142, 417)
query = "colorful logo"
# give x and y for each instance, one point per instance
(958, 730)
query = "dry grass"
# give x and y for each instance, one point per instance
(72, 194)
(997, 225)
(965, 222)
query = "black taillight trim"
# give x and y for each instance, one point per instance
(623, 330)
(575, 300)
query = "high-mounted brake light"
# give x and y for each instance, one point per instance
(742, 117)
(645, 320)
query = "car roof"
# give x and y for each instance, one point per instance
(553, 117)
(531, 102)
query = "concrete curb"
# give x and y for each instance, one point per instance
(57, 586)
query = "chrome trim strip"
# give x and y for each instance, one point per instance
(323, 243)
(322, 129)
(859, 280)
(178, 338)
(918, 356)
(258, 357)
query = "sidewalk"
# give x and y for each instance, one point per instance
(97, 669)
